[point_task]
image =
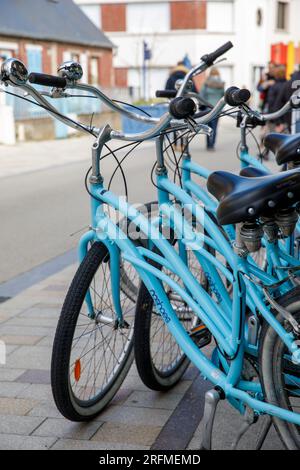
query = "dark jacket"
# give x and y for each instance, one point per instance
(177, 74)
(285, 94)
(273, 93)
(264, 92)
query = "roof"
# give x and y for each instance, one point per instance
(50, 20)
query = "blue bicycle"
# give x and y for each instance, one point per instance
(81, 388)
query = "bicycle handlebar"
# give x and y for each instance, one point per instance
(261, 118)
(59, 82)
(166, 94)
(181, 108)
(235, 96)
(47, 80)
(209, 59)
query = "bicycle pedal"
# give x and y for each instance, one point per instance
(202, 335)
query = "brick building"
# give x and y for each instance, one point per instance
(45, 33)
(174, 28)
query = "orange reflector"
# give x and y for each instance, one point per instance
(198, 328)
(77, 370)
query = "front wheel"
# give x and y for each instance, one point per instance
(280, 376)
(92, 351)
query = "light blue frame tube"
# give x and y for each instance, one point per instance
(106, 229)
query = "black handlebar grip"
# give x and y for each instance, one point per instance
(166, 94)
(235, 96)
(182, 108)
(47, 80)
(209, 59)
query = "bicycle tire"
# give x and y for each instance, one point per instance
(272, 368)
(71, 406)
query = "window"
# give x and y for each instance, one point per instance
(282, 15)
(220, 17)
(148, 17)
(94, 71)
(75, 57)
(93, 13)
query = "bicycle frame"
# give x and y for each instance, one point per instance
(225, 317)
(225, 320)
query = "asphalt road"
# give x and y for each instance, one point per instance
(40, 209)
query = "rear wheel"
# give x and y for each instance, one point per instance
(160, 361)
(280, 376)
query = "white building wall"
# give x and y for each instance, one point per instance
(233, 20)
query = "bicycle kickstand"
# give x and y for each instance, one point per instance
(264, 433)
(212, 398)
(249, 418)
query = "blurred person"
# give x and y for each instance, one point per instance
(266, 82)
(178, 73)
(275, 91)
(212, 91)
(264, 86)
(290, 86)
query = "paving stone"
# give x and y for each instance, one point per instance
(16, 406)
(35, 322)
(19, 303)
(140, 416)
(40, 312)
(13, 442)
(10, 348)
(40, 392)
(191, 373)
(121, 396)
(69, 444)
(9, 310)
(46, 306)
(4, 317)
(181, 387)
(134, 382)
(116, 432)
(56, 287)
(11, 389)
(65, 429)
(46, 341)
(10, 375)
(45, 410)
(21, 340)
(20, 425)
(26, 330)
(31, 357)
(155, 400)
(35, 376)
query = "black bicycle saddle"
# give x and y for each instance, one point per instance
(285, 147)
(243, 199)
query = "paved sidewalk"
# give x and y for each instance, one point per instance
(28, 416)
(136, 419)
(28, 157)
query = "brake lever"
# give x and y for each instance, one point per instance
(223, 59)
(199, 128)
